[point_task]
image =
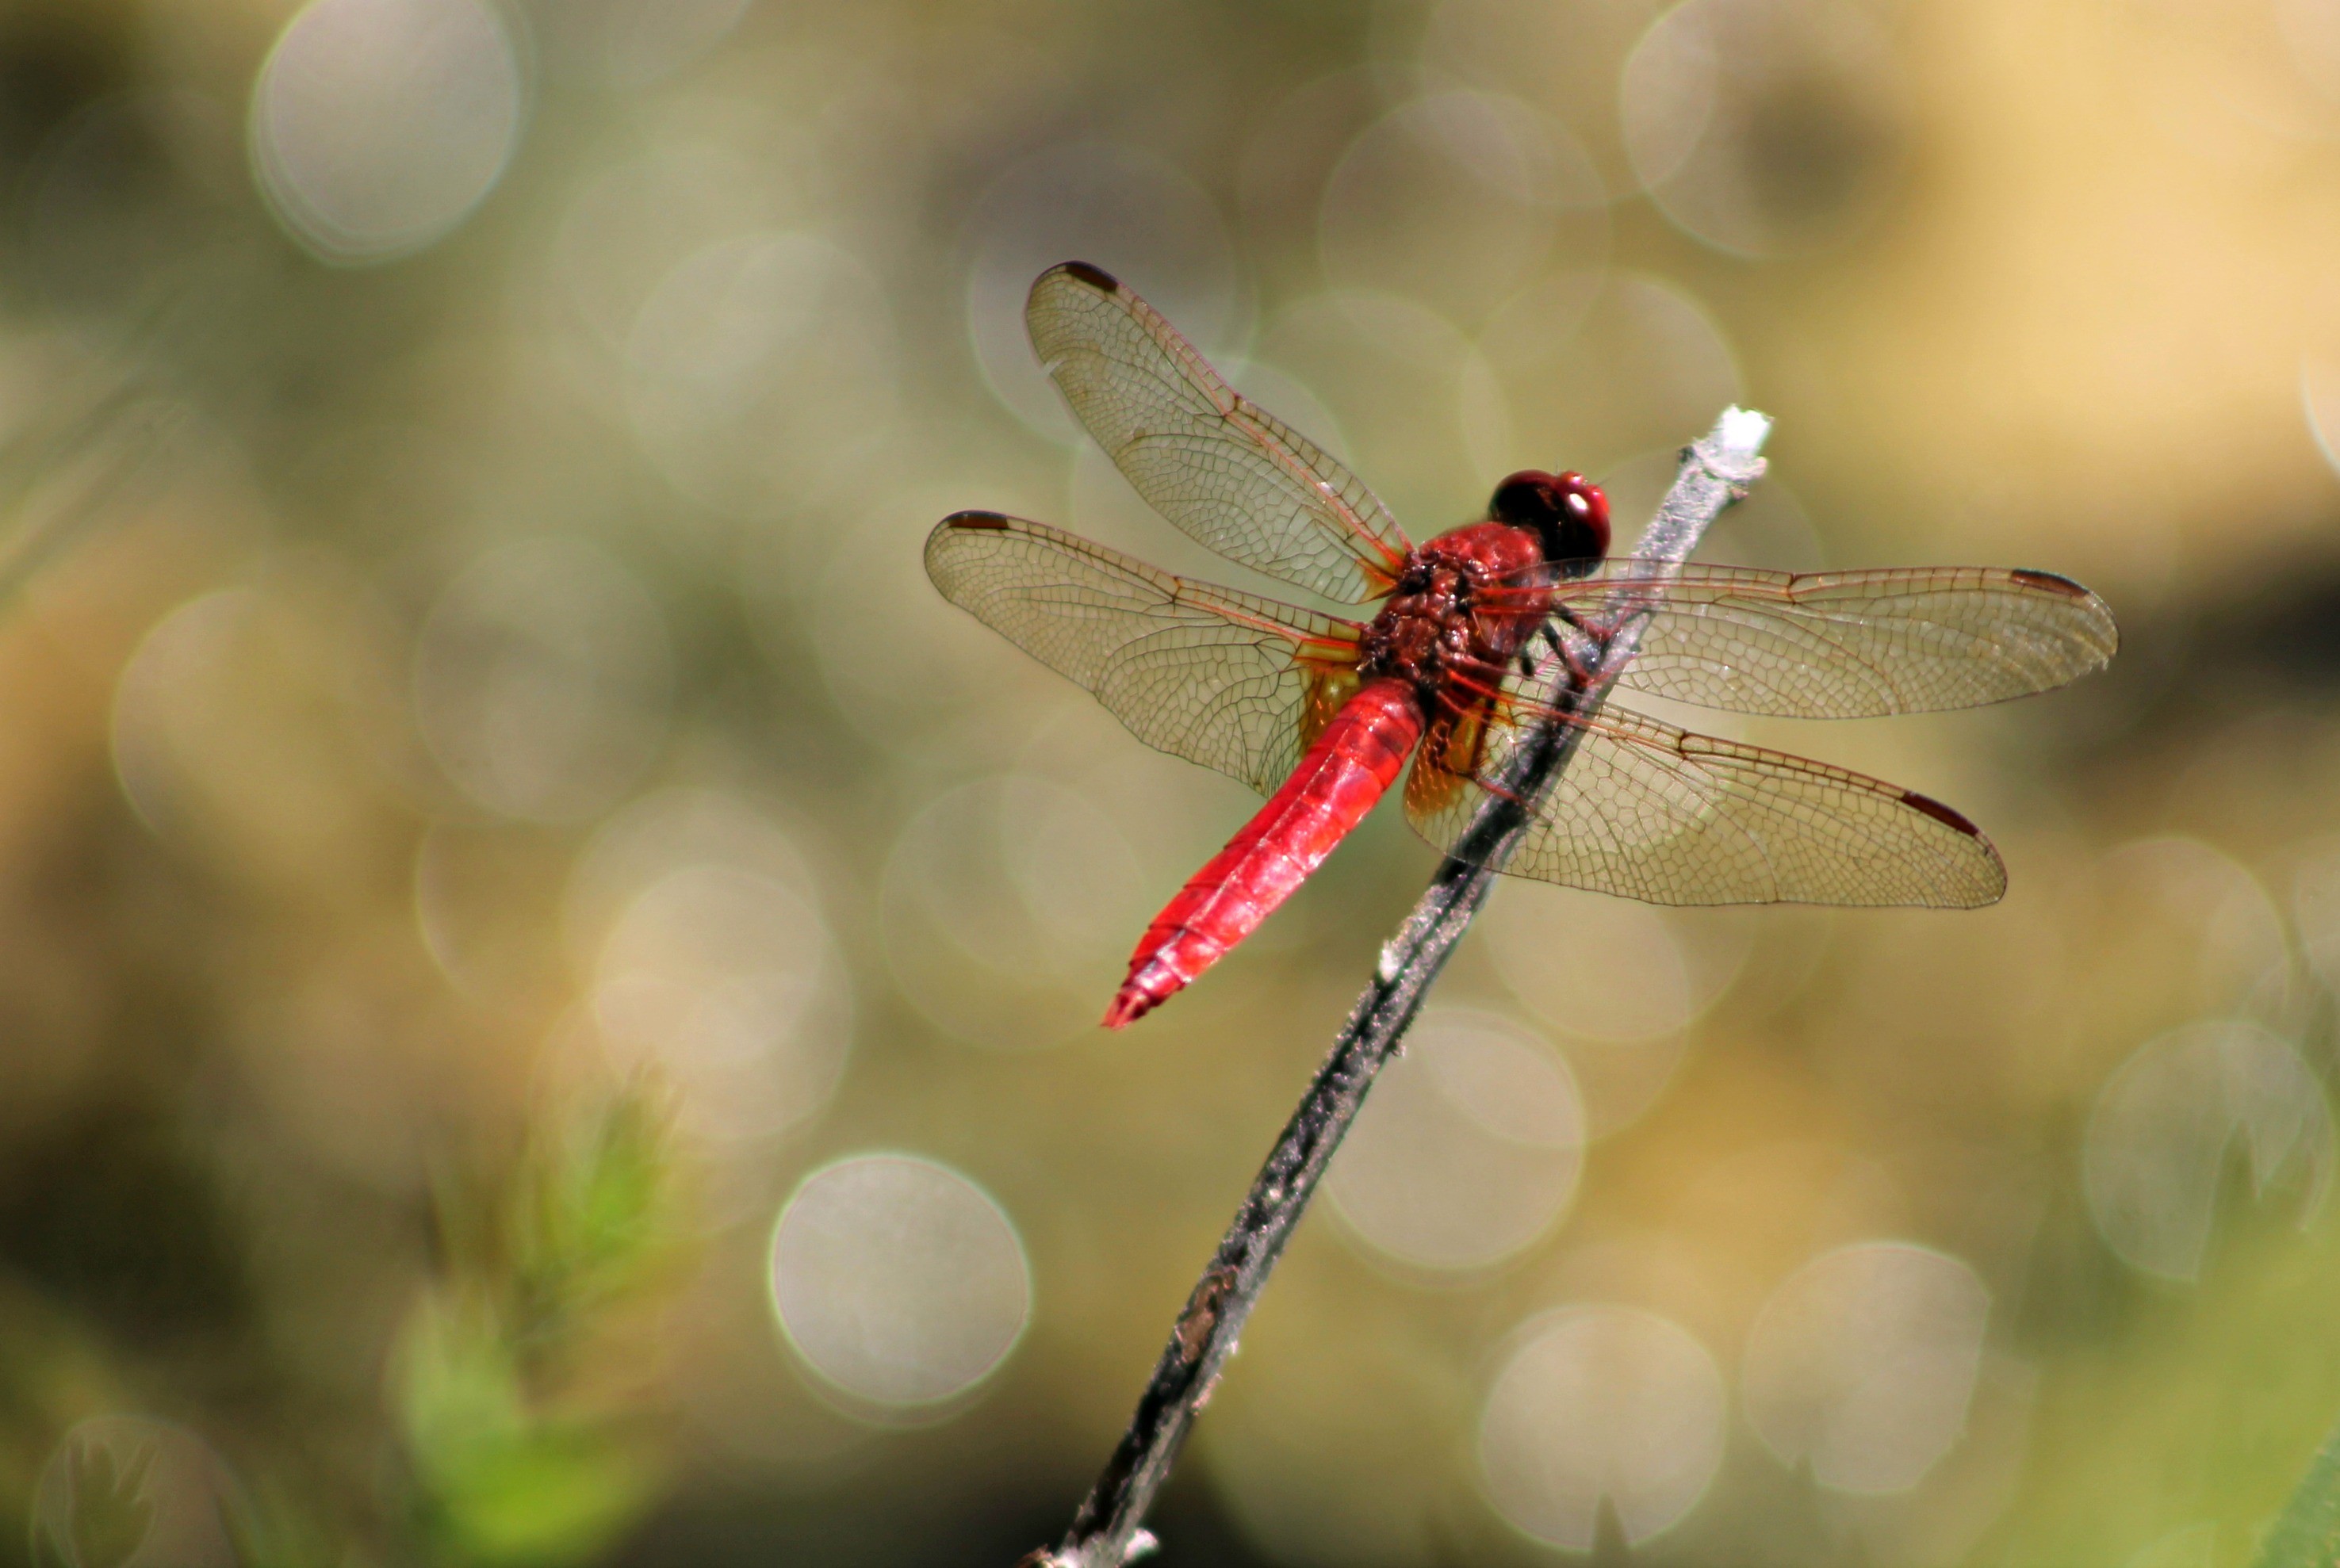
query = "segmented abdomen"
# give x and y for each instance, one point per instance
(1349, 768)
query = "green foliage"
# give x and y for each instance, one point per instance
(500, 1480)
(592, 1214)
(2306, 1534)
(510, 1463)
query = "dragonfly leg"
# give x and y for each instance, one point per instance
(1499, 791)
(1579, 671)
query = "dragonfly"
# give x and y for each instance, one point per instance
(1476, 629)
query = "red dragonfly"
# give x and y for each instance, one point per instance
(1320, 714)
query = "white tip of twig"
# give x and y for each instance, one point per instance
(1742, 429)
(1142, 1544)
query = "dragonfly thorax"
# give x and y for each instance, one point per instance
(1453, 612)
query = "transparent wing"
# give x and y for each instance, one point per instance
(1851, 645)
(1203, 455)
(1235, 682)
(1650, 811)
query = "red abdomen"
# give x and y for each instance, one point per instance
(1353, 763)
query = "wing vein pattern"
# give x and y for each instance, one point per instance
(1221, 678)
(1650, 811)
(1203, 455)
(1852, 644)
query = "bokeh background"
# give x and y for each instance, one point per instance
(547, 980)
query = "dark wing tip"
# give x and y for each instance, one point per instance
(2050, 583)
(1992, 887)
(1939, 813)
(2064, 587)
(942, 554)
(1095, 277)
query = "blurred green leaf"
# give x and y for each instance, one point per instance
(594, 1212)
(501, 1477)
(457, 1394)
(2306, 1534)
(548, 1494)
(500, 1486)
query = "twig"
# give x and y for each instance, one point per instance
(1107, 1533)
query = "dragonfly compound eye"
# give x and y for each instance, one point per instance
(1567, 511)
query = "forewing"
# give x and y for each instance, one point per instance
(1850, 644)
(1203, 455)
(1647, 811)
(1225, 679)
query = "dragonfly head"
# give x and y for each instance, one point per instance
(1567, 512)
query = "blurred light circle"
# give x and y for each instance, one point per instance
(665, 831)
(1469, 1148)
(2315, 911)
(899, 1280)
(1290, 149)
(633, 223)
(2195, 933)
(1457, 199)
(1292, 400)
(1764, 127)
(2319, 398)
(377, 125)
(543, 680)
(1941, 1521)
(730, 982)
(1608, 368)
(764, 373)
(481, 896)
(918, 680)
(1187, 812)
(1562, 55)
(1595, 968)
(646, 41)
(131, 1491)
(1863, 1362)
(1326, 1452)
(1007, 906)
(1536, 323)
(244, 728)
(1602, 1402)
(1124, 210)
(1621, 982)
(2164, 1125)
(1416, 396)
(2219, 78)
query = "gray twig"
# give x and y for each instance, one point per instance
(1108, 1531)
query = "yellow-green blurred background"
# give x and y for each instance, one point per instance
(466, 678)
